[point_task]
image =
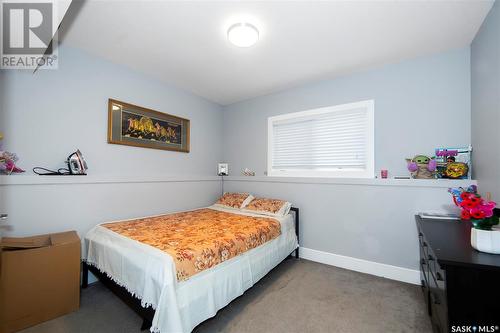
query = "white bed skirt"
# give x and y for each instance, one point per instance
(149, 274)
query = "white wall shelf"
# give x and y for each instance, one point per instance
(89, 179)
(439, 183)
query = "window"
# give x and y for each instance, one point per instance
(335, 141)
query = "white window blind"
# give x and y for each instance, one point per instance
(334, 141)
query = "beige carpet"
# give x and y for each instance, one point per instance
(297, 296)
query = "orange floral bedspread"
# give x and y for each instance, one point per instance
(199, 239)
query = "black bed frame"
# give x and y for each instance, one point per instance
(135, 303)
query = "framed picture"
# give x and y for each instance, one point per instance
(133, 125)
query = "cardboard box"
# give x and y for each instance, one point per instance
(39, 279)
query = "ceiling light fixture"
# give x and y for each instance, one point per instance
(243, 34)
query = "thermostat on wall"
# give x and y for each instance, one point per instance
(223, 169)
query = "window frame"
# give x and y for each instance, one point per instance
(368, 172)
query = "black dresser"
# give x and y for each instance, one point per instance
(461, 286)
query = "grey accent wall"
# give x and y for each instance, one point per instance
(47, 208)
(485, 76)
(369, 222)
(47, 115)
(419, 105)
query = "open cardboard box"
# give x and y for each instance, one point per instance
(39, 279)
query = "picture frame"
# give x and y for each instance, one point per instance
(136, 126)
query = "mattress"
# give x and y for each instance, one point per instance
(150, 274)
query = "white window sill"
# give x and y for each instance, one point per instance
(440, 183)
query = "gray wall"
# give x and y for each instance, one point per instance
(419, 105)
(485, 76)
(47, 208)
(370, 222)
(47, 115)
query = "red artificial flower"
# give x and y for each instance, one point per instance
(465, 203)
(470, 203)
(475, 200)
(477, 213)
(470, 196)
(465, 214)
(464, 195)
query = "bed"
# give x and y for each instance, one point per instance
(146, 278)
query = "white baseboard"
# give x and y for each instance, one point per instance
(364, 266)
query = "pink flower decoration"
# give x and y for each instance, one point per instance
(487, 208)
(471, 203)
(477, 213)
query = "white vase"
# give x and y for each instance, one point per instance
(486, 240)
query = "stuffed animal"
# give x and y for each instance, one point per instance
(422, 167)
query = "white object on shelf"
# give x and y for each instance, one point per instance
(486, 240)
(223, 169)
(439, 216)
(248, 172)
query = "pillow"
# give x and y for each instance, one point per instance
(234, 200)
(271, 207)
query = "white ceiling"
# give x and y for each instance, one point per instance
(184, 43)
